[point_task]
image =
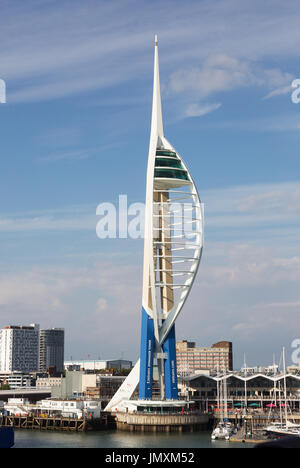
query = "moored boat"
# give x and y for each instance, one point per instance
(284, 428)
(280, 429)
(222, 431)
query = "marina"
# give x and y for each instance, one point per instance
(237, 428)
(117, 439)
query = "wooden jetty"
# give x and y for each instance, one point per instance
(44, 423)
(57, 423)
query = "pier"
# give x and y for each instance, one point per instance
(46, 423)
(57, 423)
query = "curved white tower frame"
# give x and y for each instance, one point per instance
(172, 253)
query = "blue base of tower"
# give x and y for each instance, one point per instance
(146, 357)
(146, 361)
(170, 366)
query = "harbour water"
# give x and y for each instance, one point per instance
(116, 439)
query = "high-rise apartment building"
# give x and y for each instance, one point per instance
(19, 348)
(191, 359)
(52, 343)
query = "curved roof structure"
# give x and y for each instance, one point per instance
(271, 378)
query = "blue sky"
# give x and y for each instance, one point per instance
(75, 131)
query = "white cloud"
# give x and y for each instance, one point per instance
(93, 45)
(282, 316)
(69, 298)
(101, 304)
(242, 292)
(71, 155)
(218, 73)
(197, 110)
(221, 73)
(261, 205)
(48, 223)
(246, 294)
(278, 92)
(245, 290)
(246, 265)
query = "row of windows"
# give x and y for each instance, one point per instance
(169, 166)
(171, 174)
(165, 152)
(203, 353)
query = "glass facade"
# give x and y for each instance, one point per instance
(171, 174)
(168, 153)
(168, 162)
(52, 344)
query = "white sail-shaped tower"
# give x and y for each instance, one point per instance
(172, 253)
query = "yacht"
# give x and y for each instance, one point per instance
(285, 427)
(224, 429)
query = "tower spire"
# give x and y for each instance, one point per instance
(157, 129)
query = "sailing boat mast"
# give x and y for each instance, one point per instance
(218, 388)
(284, 386)
(225, 397)
(245, 374)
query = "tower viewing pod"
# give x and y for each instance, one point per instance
(172, 253)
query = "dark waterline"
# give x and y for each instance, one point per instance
(115, 439)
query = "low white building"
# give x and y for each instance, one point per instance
(90, 409)
(17, 407)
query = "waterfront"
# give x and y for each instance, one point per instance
(115, 439)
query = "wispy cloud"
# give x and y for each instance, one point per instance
(67, 219)
(244, 290)
(287, 122)
(94, 45)
(221, 73)
(74, 155)
(79, 299)
(71, 154)
(247, 293)
(279, 92)
(198, 110)
(261, 207)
